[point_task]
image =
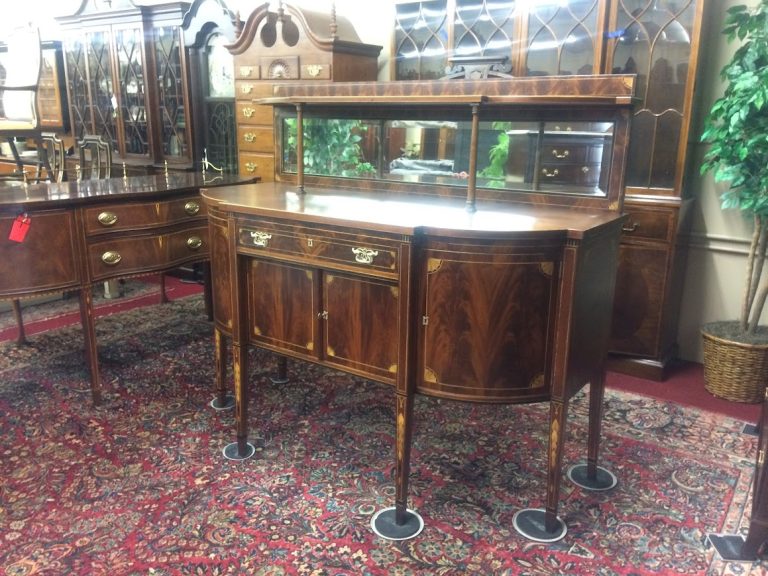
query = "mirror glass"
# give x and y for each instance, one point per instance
(542, 156)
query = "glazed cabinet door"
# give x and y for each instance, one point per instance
(360, 325)
(487, 316)
(282, 306)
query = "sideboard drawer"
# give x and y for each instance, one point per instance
(140, 254)
(321, 247)
(142, 215)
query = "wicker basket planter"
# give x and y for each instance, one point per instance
(735, 371)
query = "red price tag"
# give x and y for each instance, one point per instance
(19, 228)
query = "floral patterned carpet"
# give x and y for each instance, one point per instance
(140, 486)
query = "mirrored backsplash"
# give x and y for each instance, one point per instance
(535, 156)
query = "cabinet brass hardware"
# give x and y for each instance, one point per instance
(111, 258)
(246, 88)
(251, 166)
(194, 242)
(560, 155)
(323, 315)
(192, 207)
(107, 218)
(310, 242)
(261, 239)
(364, 255)
(549, 174)
(248, 112)
(314, 70)
(249, 136)
(584, 169)
(761, 458)
(631, 228)
(246, 70)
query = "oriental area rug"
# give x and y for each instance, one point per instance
(139, 486)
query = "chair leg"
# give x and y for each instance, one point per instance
(22, 337)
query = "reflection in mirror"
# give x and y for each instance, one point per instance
(536, 156)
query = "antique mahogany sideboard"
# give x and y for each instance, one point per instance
(429, 275)
(81, 233)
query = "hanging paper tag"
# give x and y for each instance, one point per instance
(20, 228)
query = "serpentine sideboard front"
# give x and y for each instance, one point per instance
(62, 237)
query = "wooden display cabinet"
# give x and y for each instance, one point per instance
(289, 44)
(126, 81)
(658, 41)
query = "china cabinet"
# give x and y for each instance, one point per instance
(656, 39)
(432, 275)
(126, 80)
(288, 44)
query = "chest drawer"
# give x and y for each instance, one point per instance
(141, 254)
(255, 138)
(142, 215)
(253, 114)
(576, 174)
(368, 253)
(649, 224)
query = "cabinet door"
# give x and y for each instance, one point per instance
(281, 300)
(102, 105)
(134, 117)
(360, 326)
(487, 322)
(562, 38)
(171, 94)
(657, 44)
(421, 39)
(639, 298)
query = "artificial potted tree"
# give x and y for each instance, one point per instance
(736, 128)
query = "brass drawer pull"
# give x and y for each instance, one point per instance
(192, 207)
(111, 258)
(631, 228)
(107, 218)
(364, 255)
(194, 242)
(251, 166)
(584, 169)
(549, 174)
(261, 239)
(246, 70)
(246, 88)
(248, 112)
(560, 155)
(249, 136)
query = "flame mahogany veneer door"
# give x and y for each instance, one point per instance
(489, 313)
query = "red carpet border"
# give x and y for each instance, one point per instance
(139, 486)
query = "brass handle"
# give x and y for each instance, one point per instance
(246, 70)
(249, 136)
(261, 239)
(251, 166)
(107, 218)
(364, 255)
(111, 258)
(192, 207)
(246, 88)
(549, 174)
(194, 242)
(560, 155)
(323, 315)
(631, 228)
(248, 112)
(584, 169)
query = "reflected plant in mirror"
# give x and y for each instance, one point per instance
(331, 147)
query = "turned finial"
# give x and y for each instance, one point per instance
(334, 24)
